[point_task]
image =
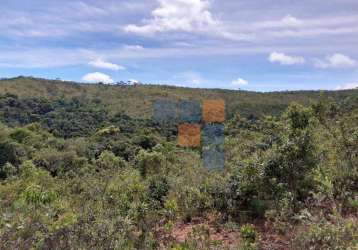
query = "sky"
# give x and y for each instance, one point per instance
(256, 45)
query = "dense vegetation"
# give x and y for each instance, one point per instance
(136, 101)
(85, 167)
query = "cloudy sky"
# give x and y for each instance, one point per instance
(260, 45)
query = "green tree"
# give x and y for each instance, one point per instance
(294, 158)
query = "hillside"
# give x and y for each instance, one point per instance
(136, 101)
(82, 168)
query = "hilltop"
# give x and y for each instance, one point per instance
(136, 101)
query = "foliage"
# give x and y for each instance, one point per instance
(136, 101)
(326, 235)
(77, 171)
(294, 158)
(107, 160)
(150, 163)
(249, 237)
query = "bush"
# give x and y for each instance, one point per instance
(150, 163)
(35, 195)
(244, 190)
(58, 162)
(8, 170)
(341, 235)
(248, 232)
(192, 202)
(11, 152)
(158, 190)
(107, 160)
(20, 134)
(290, 166)
(146, 141)
(249, 237)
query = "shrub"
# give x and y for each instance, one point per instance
(11, 152)
(20, 134)
(249, 237)
(248, 232)
(192, 202)
(58, 162)
(326, 235)
(158, 190)
(240, 195)
(36, 195)
(107, 160)
(290, 166)
(150, 163)
(8, 170)
(282, 214)
(146, 141)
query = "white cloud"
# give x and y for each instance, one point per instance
(336, 61)
(106, 65)
(133, 81)
(284, 59)
(352, 85)
(133, 47)
(97, 77)
(290, 21)
(176, 15)
(292, 27)
(239, 82)
(287, 21)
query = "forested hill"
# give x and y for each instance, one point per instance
(136, 101)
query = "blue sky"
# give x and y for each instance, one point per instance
(261, 45)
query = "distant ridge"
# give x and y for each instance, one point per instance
(137, 101)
